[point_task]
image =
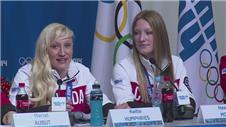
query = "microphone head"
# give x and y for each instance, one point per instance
(59, 82)
(152, 60)
(164, 64)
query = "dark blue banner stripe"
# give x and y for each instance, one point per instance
(22, 21)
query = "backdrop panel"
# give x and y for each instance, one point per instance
(21, 23)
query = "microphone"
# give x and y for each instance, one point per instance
(166, 65)
(72, 78)
(151, 60)
(59, 83)
(181, 108)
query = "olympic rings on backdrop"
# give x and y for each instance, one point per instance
(215, 94)
(123, 36)
(122, 39)
(210, 71)
(120, 28)
(212, 82)
(208, 95)
(79, 60)
(202, 78)
(202, 62)
(117, 32)
(24, 60)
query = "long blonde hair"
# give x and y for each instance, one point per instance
(42, 81)
(161, 49)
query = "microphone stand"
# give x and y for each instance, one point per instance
(151, 60)
(60, 81)
(181, 108)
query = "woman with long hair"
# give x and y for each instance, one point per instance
(53, 73)
(134, 76)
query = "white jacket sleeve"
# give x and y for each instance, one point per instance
(22, 76)
(181, 74)
(121, 85)
(89, 79)
(106, 100)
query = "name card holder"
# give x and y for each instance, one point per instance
(58, 104)
(182, 98)
(41, 119)
(135, 117)
(212, 114)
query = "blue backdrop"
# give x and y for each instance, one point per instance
(21, 23)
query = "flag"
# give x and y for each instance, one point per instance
(198, 49)
(112, 40)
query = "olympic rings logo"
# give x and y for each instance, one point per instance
(209, 74)
(119, 30)
(4, 63)
(24, 60)
(78, 60)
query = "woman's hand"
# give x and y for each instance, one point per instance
(7, 118)
(122, 106)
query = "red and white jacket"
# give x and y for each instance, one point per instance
(125, 84)
(81, 85)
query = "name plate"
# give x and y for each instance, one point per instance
(134, 117)
(213, 113)
(183, 98)
(58, 103)
(41, 119)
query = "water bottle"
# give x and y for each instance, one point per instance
(96, 100)
(22, 103)
(157, 95)
(167, 100)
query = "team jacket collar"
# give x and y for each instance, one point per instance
(147, 64)
(72, 72)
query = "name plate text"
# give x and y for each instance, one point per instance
(213, 113)
(135, 117)
(50, 119)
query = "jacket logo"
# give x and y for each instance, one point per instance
(78, 97)
(117, 81)
(136, 91)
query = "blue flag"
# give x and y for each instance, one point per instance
(198, 49)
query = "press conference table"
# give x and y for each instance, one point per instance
(176, 123)
(191, 123)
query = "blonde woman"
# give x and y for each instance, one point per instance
(54, 73)
(133, 77)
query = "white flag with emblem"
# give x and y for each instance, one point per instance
(112, 40)
(198, 49)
